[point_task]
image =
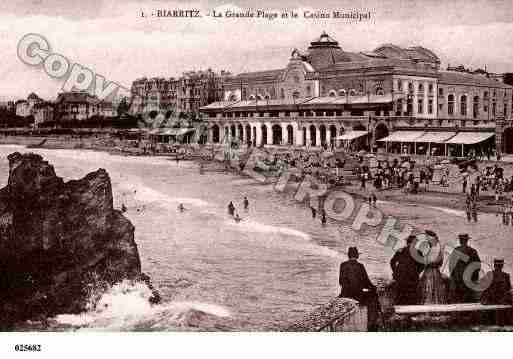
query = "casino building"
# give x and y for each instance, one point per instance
(393, 98)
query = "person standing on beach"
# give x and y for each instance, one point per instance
(406, 268)
(355, 284)
(474, 210)
(231, 209)
(460, 259)
(323, 217)
(246, 203)
(314, 212)
(468, 209)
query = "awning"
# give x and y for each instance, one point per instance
(402, 136)
(435, 137)
(351, 135)
(171, 131)
(470, 138)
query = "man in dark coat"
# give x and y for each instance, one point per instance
(498, 292)
(406, 268)
(461, 259)
(355, 284)
(500, 285)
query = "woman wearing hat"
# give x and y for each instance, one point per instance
(432, 285)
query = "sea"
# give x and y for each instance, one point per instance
(214, 274)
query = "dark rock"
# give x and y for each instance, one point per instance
(59, 241)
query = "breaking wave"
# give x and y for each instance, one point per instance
(126, 306)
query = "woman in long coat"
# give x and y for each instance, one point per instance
(432, 285)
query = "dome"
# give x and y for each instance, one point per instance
(325, 51)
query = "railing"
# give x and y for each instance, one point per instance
(340, 314)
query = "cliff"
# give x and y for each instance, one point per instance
(59, 241)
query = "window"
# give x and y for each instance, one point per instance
(282, 93)
(494, 108)
(308, 91)
(399, 85)
(399, 107)
(475, 107)
(440, 91)
(420, 106)
(430, 106)
(352, 92)
(295, 94)
(505, 109)
(332, 93)
(342, 92)
(421, 88)
(379, 91)
(410, 86)
(430, 88)
(450, 105)
(463, 105)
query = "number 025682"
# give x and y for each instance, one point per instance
(27, 347)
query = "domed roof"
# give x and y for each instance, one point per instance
(33, 96)
(325, 51)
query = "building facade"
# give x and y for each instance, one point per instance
(43, 113)
(76, 106)
(326, 92)
(188, 93)
(25, 108)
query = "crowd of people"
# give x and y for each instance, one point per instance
(419, 280)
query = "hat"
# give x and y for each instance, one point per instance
(463, 236)
(352, 252)
(431, 233)
(498, 262)
(411, 238)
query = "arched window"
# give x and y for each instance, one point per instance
(421, 88)
(352, 92)
(267, 97)
(341, 92)
(259, 97)
(379, 91)
(450, 105)
(332, 93)
(252, 97)
(463, 105)
(410, 86)
(399, 85)
(475, 107)
(430, 88)
(233, 97)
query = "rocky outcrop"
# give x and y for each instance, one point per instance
(59, 240)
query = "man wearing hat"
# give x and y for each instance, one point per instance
(498, 291)
(355, 284)
(406, 269)
(460, 259)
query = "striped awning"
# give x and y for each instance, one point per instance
(435, 137)
(470, 138)
(170, 131)
(402, 136)
(351, 135)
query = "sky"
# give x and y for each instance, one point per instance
(111, 38)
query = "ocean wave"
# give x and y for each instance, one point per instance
(126, 306)
(255, 227)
